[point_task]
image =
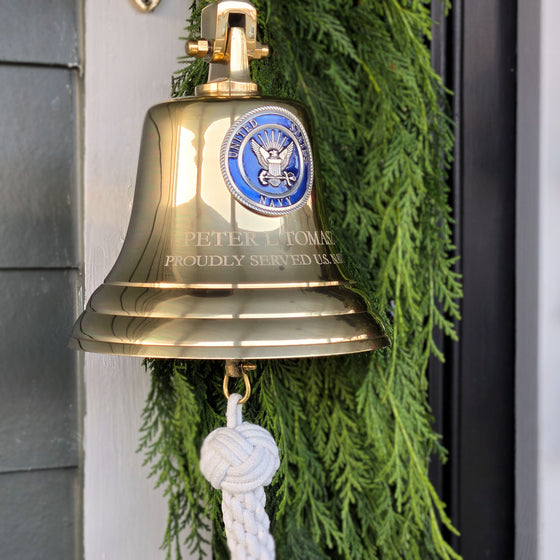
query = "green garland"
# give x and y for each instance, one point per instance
(354, 432)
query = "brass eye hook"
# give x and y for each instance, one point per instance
(236, 368)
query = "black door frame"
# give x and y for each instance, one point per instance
(472, 394)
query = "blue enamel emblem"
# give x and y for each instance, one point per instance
(267, 162)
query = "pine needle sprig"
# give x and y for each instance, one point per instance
(355, 432)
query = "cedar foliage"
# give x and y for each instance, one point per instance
(354, 432)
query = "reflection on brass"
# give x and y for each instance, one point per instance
(201, 275)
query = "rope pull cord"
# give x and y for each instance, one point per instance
(240, 460)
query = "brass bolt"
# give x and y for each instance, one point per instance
(198, 48)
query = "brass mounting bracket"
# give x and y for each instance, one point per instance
(228, 43)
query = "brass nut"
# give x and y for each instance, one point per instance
(260, 51)
(198, 48)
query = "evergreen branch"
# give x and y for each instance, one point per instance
(354, 432)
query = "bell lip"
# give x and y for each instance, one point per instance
(228, 353)
(239, 338)
(232, 286)
(277, 331)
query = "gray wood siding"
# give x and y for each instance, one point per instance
(40, 440)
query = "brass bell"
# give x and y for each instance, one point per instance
(228, 254)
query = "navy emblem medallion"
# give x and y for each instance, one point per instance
(266, 161)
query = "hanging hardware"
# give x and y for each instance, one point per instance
(228, 43)
(238, 368)
(146, 5)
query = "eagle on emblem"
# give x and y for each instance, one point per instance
(273, 157)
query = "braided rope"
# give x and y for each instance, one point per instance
(240, 460)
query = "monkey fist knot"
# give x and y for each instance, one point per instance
(239, 459)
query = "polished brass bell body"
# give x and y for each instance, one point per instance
(228, 254)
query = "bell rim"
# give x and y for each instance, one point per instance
(238, 353)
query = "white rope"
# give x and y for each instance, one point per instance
(239, 460)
